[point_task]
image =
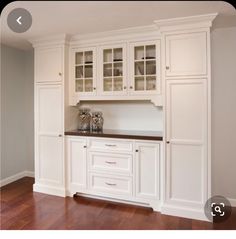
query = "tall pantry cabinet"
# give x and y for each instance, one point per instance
(187, 81)
(49, 85)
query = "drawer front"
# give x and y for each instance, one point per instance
(110, 184)
(111, 145)
(117, 163)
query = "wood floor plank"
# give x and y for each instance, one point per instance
(21, 208)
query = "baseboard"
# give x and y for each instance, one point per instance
(16, 177)
(51, 190)
(232, 202)
(183, 212)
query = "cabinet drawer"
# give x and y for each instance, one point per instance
(117, 163)
(110, 184)
(111, 145)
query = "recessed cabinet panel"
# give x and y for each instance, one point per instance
(187, 107)
(186, 54)
(186, 167)
(48, 64)
(76, 158)
(147, 170)
(50, 159)
(110, 163)
(49, 109)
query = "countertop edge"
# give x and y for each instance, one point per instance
(121, 136)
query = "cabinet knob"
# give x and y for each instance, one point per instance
(136, 150)
(60, 74)
(124, 87)
(85, 146)
(167, 67)
(131, 87)
(167, 142)
(59, 135)
(94, 88)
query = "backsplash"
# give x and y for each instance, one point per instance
(140, 115)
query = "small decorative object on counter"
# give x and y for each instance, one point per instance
(97, 121)
(84, 119)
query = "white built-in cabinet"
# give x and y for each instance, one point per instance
(112, 70)
(145, 68)
(48, 64)
(147, 161)
(130, 70)
(116, 169)
(192, 47)
(49, 130)
(84, 71)
(187, 120)
(49, 117)
(167, 63)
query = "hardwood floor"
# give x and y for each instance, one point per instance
(21, 208)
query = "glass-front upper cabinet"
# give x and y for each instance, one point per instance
(145, 67)
(113, 69)
(84, 71)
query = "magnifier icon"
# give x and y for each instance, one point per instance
(217, 209)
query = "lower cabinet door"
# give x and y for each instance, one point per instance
(77, 166)
(147, 170)
(49, 142)
(186, 155)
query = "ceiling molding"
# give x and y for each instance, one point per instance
(61, 39)
(186, 22)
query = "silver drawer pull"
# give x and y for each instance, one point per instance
(111, 145)
(111, 184)
(110, 162)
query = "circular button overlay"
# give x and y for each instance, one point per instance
(218, 209)
(19, 20)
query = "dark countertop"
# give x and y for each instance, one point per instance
(123, 134)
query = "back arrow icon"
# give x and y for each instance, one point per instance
(18, 20)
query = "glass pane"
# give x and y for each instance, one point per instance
(117, 70)
(151, 83)
(139, 83)
(139, 52)
(139, 68)
(79, 72)
(118, 84)
(117, 54)
(88, 57)
(107, 55)
(88, 71)
(150, 67)
(88, 86)
(107, 70)
(79, 58)
(107, 84)
(151, 52)
(79, 85)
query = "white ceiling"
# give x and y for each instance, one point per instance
(81, 17)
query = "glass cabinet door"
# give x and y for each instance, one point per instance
(113, 70)
(84, 71)
(146, 67)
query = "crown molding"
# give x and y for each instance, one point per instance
(126, 33)
(61, 39)
(186, 22)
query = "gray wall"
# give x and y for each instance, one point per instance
(16, 111)
(224, 112)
